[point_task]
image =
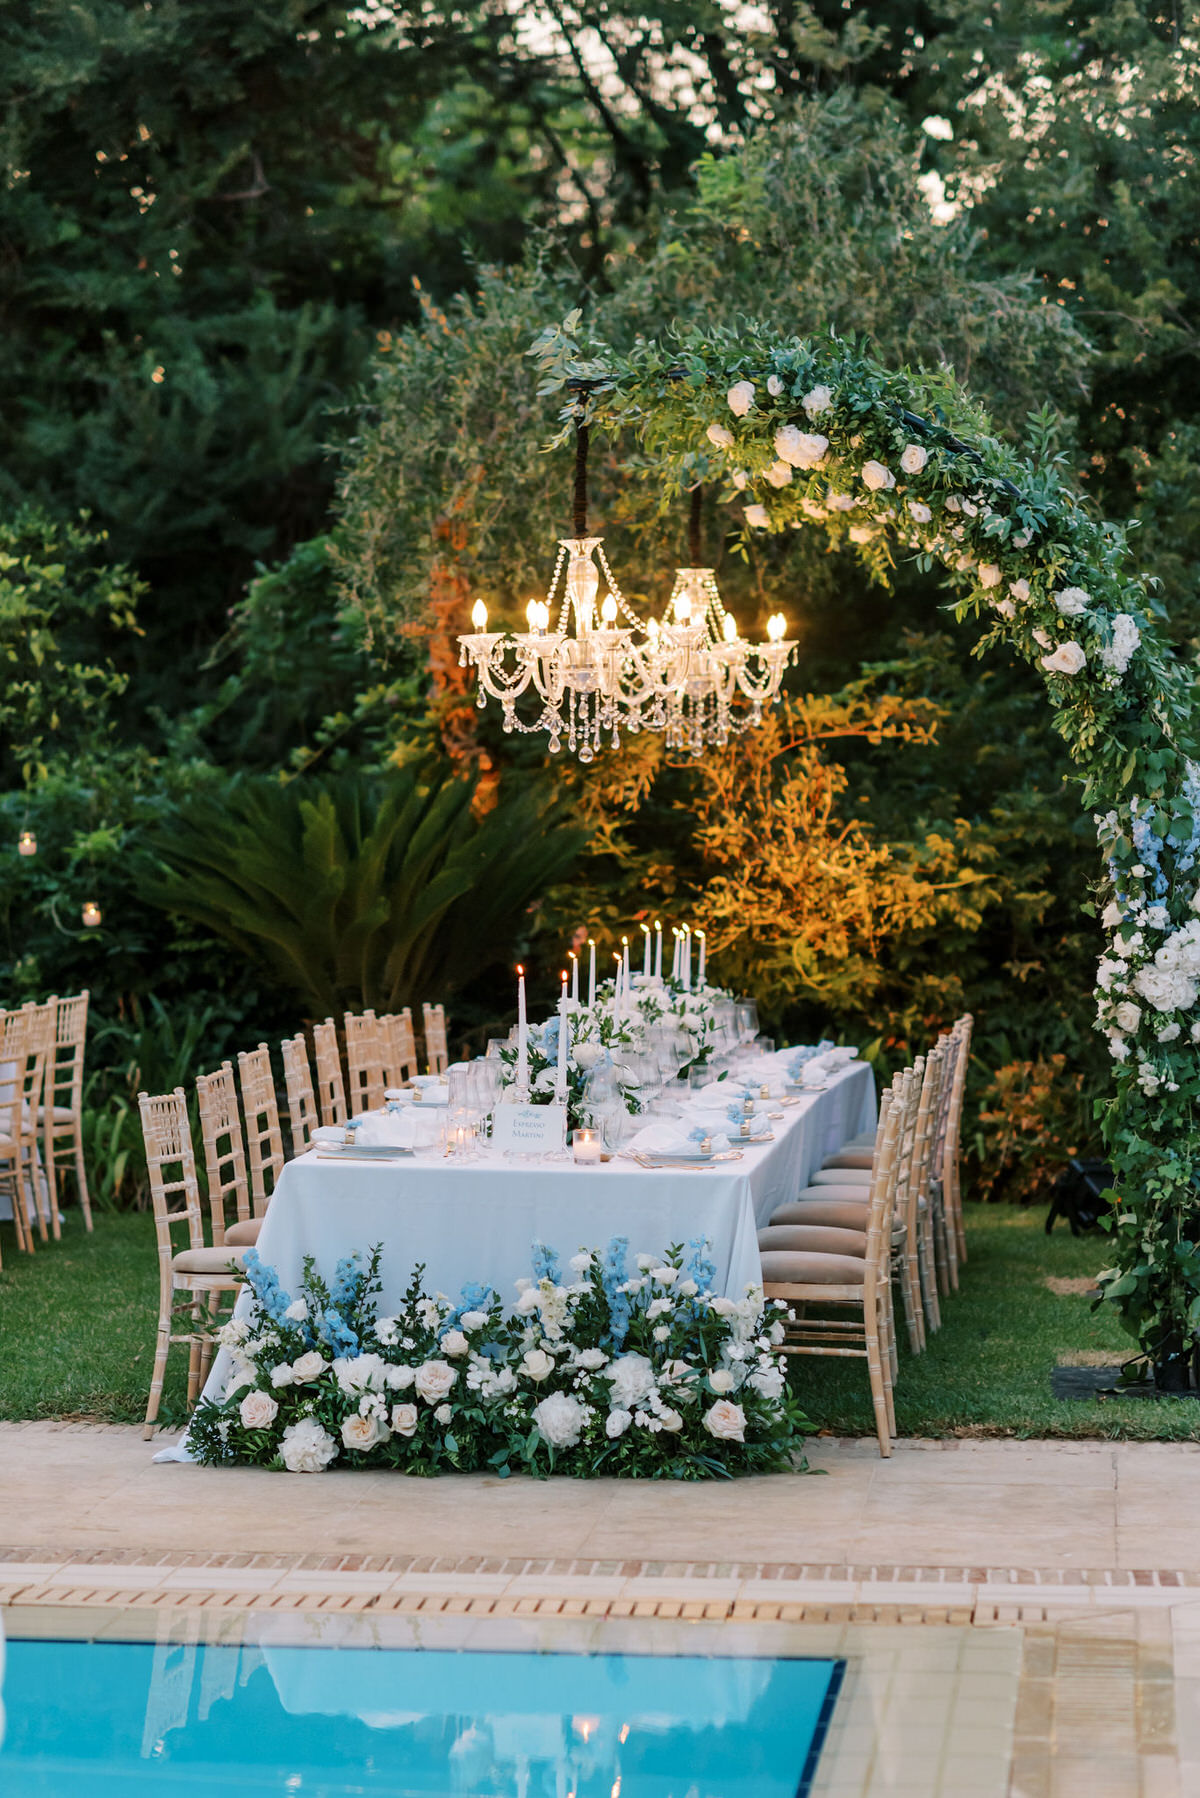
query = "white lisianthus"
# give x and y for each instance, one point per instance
(774, 386)
(726, 1421)
(1072, 602)
(989, 574)
(282, 1375)
(632, 1378)
(817, 401)
(661, 1332)
(920, 511)
(1068, 658)
(877, 476)
(443, 1414)
(617, 1422)
(724, 1307)
(664, 1274)
(258, 1411)
(363, 1433)
(297, 1311)
(405, 1419)
(840, 502)
(721, 1380)
(537, 1364)
(433, 1380)
(779, 474)
(767, 1382)
(1043, 638)
(1019, 590)
(658, 1308)
(529, 1301)
(801, 449)
(740, 398)
(1168, 1033)
(306, 1447)
(309, 1366)
(914, 458)
(580, 1263)
(560, 1419)
(756, 516)
(646, 1262)
(687, 1289)
(399, 1379)
(473, 1320)
(721, 435)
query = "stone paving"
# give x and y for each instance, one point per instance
(1084, 1557)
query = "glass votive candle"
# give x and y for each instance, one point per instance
(90, 913)
(586, 1145)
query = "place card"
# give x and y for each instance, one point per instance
(530, 1129)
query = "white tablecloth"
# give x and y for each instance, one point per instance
(478, 1220)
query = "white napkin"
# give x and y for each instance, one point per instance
(330, 1136)
(387, 1130)
(431, 1092)
(670, 1136)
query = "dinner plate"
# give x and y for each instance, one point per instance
(368, 1152)
(651, 1158)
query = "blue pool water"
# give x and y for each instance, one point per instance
(135, 1720)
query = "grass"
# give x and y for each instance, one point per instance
(77, 1339)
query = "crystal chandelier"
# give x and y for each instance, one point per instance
(602, 668)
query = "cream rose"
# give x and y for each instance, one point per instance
(920, 512)
(258, 1411)
(433, 1380)
(756, 516)
(740, 398)
(443, 1414)
(802, 449)
(726, 1421)
(989, 574)
(877, 476)
(914, 458)
(454, 1343)
(537, 1364)
(817, 401)
(779, 474)
(774, 386)
(1068, 658)
(721, 435)
(721, 1380)
(405, 1419)
(1019, 590)
(617, 1422)
(308, 1367)
(363, 1433)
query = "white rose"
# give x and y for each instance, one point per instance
(1072, 602)
(592, 1359)
(306, 1447)
(474, 1320)
(1112, 914)
(454, 1343)
(529, 1301)
(989, 574)
(687, 1289)
(297, 1311)
(802, 449)
(739, 478)
(433, 1380)
(405, 1419)
(1068, 658)
(877, 476)
(537, 1364)
(1128, 1015)
(580, 1263)
(258, 1411)
(665, 1275)
(724, 1307)
(726, 1421)
(617, 1422)
(768, 1381)
(757, 517)
(359, 1373)
(721, 1380)
(670, 1420)
(920, 512)
(632, 1378)
(1019, 590)
(363, 1433)
(774, 386)
(721, 435)
(914, 458)
(818, 401)
(740, 398)
(560, 1419)
(587, 1055)
(282, 1375)
(399, 1379)
(779, 474)
(443, 1414)
(1005, 607)
(308, 1367)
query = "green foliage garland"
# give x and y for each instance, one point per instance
(803, 431)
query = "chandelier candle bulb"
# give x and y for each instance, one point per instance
(522, 1038)
(591, 972)
(646, 951)
(90, 914)
(703, 967)
(479, 615)
(26, 843)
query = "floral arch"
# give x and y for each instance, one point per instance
(804, 432)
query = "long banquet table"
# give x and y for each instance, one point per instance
(477, 1220)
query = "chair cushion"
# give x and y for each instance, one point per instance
(850, 1158)
(841, 1176)
(245, 1233)
(816, 1239)
(204, 1261)
(844, 1190)
(785, 1267)
(839, 1214)
(61, 1114)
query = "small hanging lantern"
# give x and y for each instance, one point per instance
(90, 913)
(26, 843)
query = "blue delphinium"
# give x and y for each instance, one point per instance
(347, 1279)
(612, 1277)
(545, 1264)
(337, 1334)
(273, 1301)
(473, 1297)
(700, 1265)
(1149, 848)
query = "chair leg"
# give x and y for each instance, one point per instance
(960, 1233)
(195, 1347)
(81, 1171)
(912, 1286)
(19, 1210)
(162, 1349)
(942, 1253)
(34, 1186)
(878, 1387)
(933, 1312)
(50, 1171)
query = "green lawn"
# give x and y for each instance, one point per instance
(77, 1334)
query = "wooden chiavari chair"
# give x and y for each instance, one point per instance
(17, 1133)
(816, 1270)
(61, 1113)
(364, 1061)
(39, 1169)
(225, 1159)
(264, 1139)
(297, 1078)
(400, 1062)
(951, 1185)
(437, 1055)
(193, 1277)
(331, 1091)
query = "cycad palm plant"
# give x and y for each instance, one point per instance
(356, 890)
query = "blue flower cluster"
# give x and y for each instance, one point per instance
(700, 1265)
(1149, 848)
(273, 1301)
(613, 1276)
(337, 1334)
(1191, 795)
(347, 1283)
(545, 1264)
(473, 1297)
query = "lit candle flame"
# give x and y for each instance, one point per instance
(479, 615)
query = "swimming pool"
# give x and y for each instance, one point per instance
(98, 1719)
